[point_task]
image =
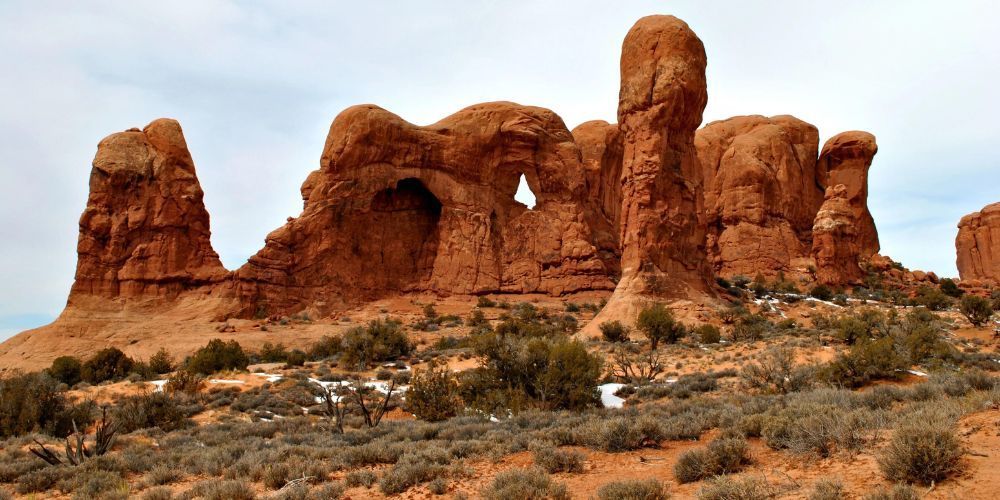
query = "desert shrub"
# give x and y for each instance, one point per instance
(295, 357)
(161, 362)
(819, 428)
(722, 456)
(550, 372)
(622, 433)
(572, 307)
(735, 488)
(363, 477)
(931, 298)
(148, 410)
(33, 403)
(827, 489)
(329, 491)
(922, 453)
(976, 309)
(217, 489)
(477, 318)
(950, 288)
(821, 292)
(614, 331)
(218, 356)
(554, 459)
(850, 329)
(523, 484)
(107, 364)
(657, 323)
(185, 382)
(775, 372)
(866, 361)
(434, 394)
(159, 493)
(708, 334)
(98, 484)
(162, 474)
(275, 475)
(413, 469)
(380, 340)
(41, 479)
(273, 353)
(749, 327)
(897, 492)
(635, 489)
(66, 369)
(325, 347)
(484, 301)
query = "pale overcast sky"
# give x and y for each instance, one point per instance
(255, 86)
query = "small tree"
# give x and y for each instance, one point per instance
(976, 309)
(658, 324)
(614, 331)
(66, 369)
(951, 289)
(433, 394)
(161, 362)
(107, 364)
(218, 356)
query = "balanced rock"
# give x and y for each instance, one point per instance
(845, 159)
(978, 245)
(145, 230)
(761, 192)
(397, 207)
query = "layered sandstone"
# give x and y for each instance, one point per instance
(145, 230)
(761, 192)
(397, 207)
(836, 242)
(661, 100)
(846, 159)
(978, 245)
(600, 146)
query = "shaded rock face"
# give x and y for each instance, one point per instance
(761, 192)
(601, 150)
(978, 245)
(836, 243)
(145, 231)
(396, 207)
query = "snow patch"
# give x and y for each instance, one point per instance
(608, 398)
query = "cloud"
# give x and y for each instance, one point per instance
(256, 85)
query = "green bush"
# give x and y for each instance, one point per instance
(614, 331)
(922, 454)
(523, 484)
(821, 292)
(657, 323)
(708, 334)
(144, 411)
(33, 403)
(271, 353)
(976, 309)
(325, 347)
(107, 364)
(950, 288)
(634, 489)
(750, 328)
(477, 318)
(483, 301)
(66, 369)
(932, 298)
(433, 394)
(722, 456)
(381, 340)
(217, 356)
(161, 362)
(866, 361)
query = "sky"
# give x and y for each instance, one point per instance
(255, 86)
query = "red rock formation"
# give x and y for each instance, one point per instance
(601, 149)
(396, 207)
(761, 192)
(845, 159)
(145, 230)
(836, 243)
(978, 245)
(662, 96)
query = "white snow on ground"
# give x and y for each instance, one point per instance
(158, 384)
(827, 302)
(608, 398)
(272, 378)
(917, 373)
(225, 381)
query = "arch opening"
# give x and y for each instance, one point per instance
(404, 233)
(524, 193)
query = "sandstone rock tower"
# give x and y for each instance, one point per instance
(978, 245)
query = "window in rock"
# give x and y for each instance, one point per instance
(524, 193)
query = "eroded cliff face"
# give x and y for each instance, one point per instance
(600, 146)
(836, 243)
(978, 245)
(396, 207)
(145, 231)
(845, 159)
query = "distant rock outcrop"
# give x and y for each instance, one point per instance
(978, 245)
(145, 231)
(396, 207)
